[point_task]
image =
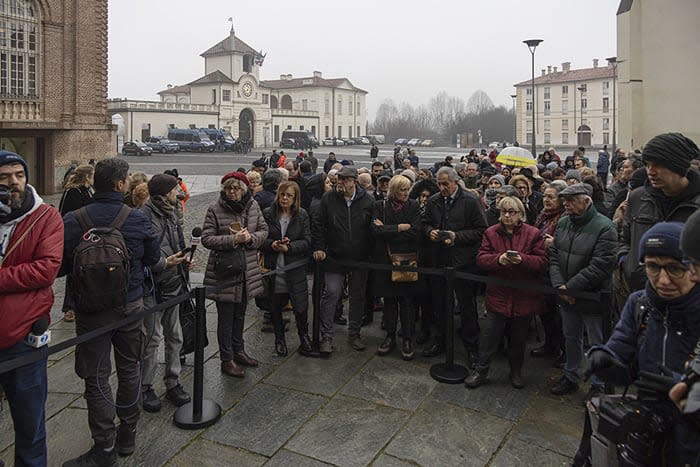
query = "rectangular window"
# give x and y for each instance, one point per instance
(289, 127)
(327, 133)
(565, 107)
(528, 91)
(606, 124)
(304, 104)
(350, 132)
(31, 77)
(606, 104)
(340, 131)
(547, 138)
(606, 137)
(547, 125)
(328, 108)
(565, 138)
(213, 96)
(583, 88)
(565, 90)
(349, 108)
(528, 124)
(313, 130)
(546, 92)
(584, 105)
(565, 125)
(358, 131)
(528, 138)
(606, 88)
(358, 113)
(226, 95)
(277, 133)
(547, 109)
(528, 107)
(301, 127)
(340, 107)
(265, 98)
(3, 74)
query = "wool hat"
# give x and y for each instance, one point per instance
(689, 238)
(488, 170)
(573, 173)
(551, 166)
(259, 163)
(409, 174)
(663, 239)
(172, 172)
(577, 189)
(237, 175)
(383, 175)
(508, 190)
(8, 157)
(348, 171)
(671, 150)
(499, 178)
(161, 184)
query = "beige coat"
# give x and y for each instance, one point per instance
(216, 236)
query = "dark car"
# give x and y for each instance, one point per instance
(288, 143)
(348, 141)
(136, 148)
(162, 145)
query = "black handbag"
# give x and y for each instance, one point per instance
(228, 263)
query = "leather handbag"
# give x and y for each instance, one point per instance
(228, 263)
(402, 259)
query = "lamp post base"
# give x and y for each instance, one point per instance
(448, 374)
(184, 416)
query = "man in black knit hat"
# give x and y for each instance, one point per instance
(671, 193)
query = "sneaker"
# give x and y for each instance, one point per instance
(563, 386)
(95, 457)
(387, 346)
(126, 440)
(356, 342)
(326, 345)
(178, 396)
(150, 401)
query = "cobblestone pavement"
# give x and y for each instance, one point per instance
(354, 409)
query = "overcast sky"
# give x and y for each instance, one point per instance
(406, 50)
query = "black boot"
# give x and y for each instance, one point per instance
(477, 378)
(387, 346)
(281, 347)
(305, 346)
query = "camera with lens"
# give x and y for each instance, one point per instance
(691, 377)
(634, 431)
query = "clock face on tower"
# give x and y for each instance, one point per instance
(247, 89)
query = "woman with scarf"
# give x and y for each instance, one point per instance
(234, 221)
(289, 241)
(396, 226)
(551, 322)
(77, 193)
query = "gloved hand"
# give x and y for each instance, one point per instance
(599, 359)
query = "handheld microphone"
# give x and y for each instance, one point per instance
(39, 336)
(195, 240)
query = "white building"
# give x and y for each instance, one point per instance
(571, 107)
(247, 106)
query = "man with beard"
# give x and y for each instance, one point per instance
(471, 176)
(31, 247)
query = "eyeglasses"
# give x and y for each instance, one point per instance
(509, 212)
(287, 195)
(674, 270)
(550, 196)
(521, 187)
(233, 188)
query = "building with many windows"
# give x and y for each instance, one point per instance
(232, 96)
(570, 107)
(53, 85)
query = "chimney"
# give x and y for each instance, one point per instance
(283, 76)
(549, 69)
(565, 67)
(595, 63)
(318, 74)
(169, 86)
(554, 69)
(544, 71)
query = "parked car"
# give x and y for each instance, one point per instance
(494, 145)
(401, 141)
(333, 142)
(427, 143)
(348, 141)
(414, 142)
(162, 145)
(302, 139)
(136, 148)
(361, 140)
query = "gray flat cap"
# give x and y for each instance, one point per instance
(347, 172)
(577, 189)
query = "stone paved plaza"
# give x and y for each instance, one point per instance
(353, 409)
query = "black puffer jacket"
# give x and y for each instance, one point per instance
(172, 240)
(299, 235)
(342, 231)
(646, 207)
(465, 218)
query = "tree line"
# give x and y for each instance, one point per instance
(443, 117)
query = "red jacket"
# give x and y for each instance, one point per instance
(28, 272)
(527, 241)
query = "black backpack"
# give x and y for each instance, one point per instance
(101, 266)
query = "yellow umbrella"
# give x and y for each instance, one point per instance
(516, 157)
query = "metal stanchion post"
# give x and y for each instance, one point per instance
(448, 372)
(200, 413)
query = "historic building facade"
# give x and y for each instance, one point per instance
(53, 85)
(247, 106)
(570, 107)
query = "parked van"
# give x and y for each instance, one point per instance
(191, 140)
(299, 139)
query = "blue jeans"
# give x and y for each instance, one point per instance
(26, 389)
(573, 323)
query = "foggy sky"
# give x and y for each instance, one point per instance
(404, 50)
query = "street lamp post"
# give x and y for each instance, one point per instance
(581, 89)
(532, 45)
(613, 61)
(515, 120)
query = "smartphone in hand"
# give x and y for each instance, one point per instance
(235, 226)
(512, 253)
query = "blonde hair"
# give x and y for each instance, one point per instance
(586, 172)
(524, 179)
(136, 179)
(397, 183)
(80, 176)
(139, 195)
(254, 176)
(511, 202)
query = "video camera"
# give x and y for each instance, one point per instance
(5, 195)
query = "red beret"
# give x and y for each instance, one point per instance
(237, 175)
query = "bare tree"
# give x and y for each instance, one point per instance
(479, 102)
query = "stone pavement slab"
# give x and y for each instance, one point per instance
(348, 432)
(285, 458)
(389, 461)
(265, 419)
(204, 453)
(516, 453)
(441, 434)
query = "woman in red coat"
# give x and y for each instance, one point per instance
(512, 251)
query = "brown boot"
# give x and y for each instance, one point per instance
(232, 368)
(244, 359)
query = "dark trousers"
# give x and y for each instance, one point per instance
(300, 316)
(25, 389)
(551, 322)
(466, 301)
(423, 304)
(93, 364)
(395, 308)
(229, 328)
(68, 302)
(492, 333)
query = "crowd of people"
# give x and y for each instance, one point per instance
(603, 247)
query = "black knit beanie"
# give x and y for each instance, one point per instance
(672, 150)
(690, 238)
(161, 184)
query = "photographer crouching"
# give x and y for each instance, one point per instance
(658, 331)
